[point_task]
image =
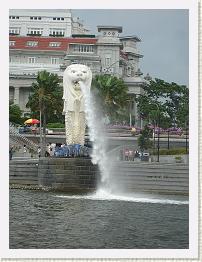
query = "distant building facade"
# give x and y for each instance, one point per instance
(35, 44)
(27, 22)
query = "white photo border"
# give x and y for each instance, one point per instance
(192, 252)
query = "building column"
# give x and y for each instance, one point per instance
(138, 119)
(141, 123)
(135, 112)
(17, 95)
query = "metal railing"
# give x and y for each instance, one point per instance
(20, 139)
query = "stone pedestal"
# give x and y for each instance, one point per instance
(70, 175)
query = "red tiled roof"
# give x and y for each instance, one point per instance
(43, 42)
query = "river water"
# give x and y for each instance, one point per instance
(40, 220)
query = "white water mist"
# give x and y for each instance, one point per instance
(95, 122)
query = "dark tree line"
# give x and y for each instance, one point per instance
(166, 103)
(162, 102)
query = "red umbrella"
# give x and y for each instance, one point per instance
(32, 121)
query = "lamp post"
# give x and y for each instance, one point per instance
(186, 137)
(158, 138)
(158, 146)
(168, 139)
(40, 129)
(40, 124)
(152, 120)
(174, 113)
(154, 133)
(41, 111)
(131, 106)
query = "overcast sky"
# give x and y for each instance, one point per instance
(164, 35)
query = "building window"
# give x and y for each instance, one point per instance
(14, 31)
(35, 18)
(54, 44)
(11, 43)
(14, 17)
(132, 71)
(31, 60)
(35, 31)
(108, 61)
(32, 43)
(54, 60)
(78, 48)
(58, 18)
(57, 32)
(10, 59)
(129, 71)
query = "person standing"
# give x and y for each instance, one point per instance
(52, 149)
(126, 153)
(130, 157)
(47, 153)
(24, 150)
(11, 153)
(39, 151)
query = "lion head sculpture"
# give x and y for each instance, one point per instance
(71, 87)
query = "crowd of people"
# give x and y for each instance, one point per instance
(64, 150)
(49, 150)
(129, 154)
(52, 150)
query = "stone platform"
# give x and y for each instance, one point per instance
(70, 175)
(79, 175)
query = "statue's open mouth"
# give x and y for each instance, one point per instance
(76, 85)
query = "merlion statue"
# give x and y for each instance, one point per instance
(75, 121)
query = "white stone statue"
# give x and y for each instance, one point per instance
(75, 121)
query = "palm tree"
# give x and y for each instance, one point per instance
(112, 92)
(45, 98)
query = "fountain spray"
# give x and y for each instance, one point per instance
(95, 122)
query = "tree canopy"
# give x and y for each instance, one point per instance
(15, 114)
(144, 141)
(46, 95)
(112, 92)
(167, 103)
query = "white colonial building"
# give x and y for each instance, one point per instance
(42, 40)
(28, 22)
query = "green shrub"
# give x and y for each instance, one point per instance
(179, 158)
(144, 141)
(55, 125)
(172, 151)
